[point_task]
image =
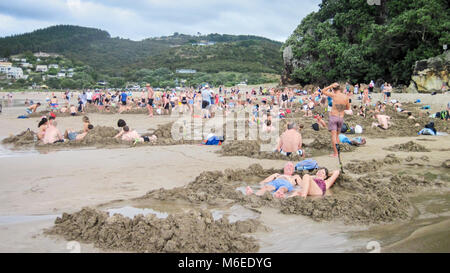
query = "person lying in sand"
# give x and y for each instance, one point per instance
(290, 141)
(316, 185)
(72, 135)
(357, 141)
(280, 184)
(132, 135)
(52, 134)
(383, 121)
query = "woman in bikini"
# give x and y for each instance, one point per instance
(316, 185)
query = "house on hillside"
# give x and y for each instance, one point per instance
(203, 43)
(53, 66)
(186, 71)
(4, 67)
(61, 75)
(70, 75)
(45, 55)
(41, 55)
(41, 68)
(14, 73)
(26, 65)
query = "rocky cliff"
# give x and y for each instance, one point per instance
(431, 74)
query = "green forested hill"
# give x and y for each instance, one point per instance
(122, 57)
(352, 40)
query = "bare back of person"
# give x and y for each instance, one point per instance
(291, 141)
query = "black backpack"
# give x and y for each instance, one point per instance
(315, 126)
(344, 128)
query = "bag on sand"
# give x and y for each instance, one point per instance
(315, 126)
(307, 164)
(358, 129)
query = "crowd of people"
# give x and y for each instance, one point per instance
(264, 104)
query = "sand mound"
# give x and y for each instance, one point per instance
(27, 137)
(191, 232)
(410, 146)
(376, 197)
(360, 167)
(252, 149)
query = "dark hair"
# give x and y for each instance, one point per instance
(42, 122)
(38, 103)
(121, 123)
(126, 128)
(325, 169)
(51, 118)
(90, 126)
(409, 113)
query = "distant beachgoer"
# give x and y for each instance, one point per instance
(383, 121)
(72, 135)
(150, 98)
(280, 184)
(73, 110)
(32, 108)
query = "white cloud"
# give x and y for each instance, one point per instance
(150, 18)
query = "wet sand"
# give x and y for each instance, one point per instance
(53, 182)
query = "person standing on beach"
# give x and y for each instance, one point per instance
(336, 118)
(150, 98)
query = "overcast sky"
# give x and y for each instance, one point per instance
(140, 19)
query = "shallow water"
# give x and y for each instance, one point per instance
(16, 219)
(427, 231)
(7, 152)
(162, 209)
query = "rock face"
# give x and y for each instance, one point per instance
(289, 65)
(431, 74)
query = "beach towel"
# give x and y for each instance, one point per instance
(307, 164)
(427, 132)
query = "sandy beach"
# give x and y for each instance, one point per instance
(39, 185)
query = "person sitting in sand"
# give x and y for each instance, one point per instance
(73, 110)
(290, 141)
(320, 120)
(267, 126)
(86, 124)
(316, 185)
(32, 108)
(72, 135)
(280, 184)
(383, 121)
(52, 134)
(42, 126)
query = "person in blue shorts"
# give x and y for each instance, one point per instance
(279, 184)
